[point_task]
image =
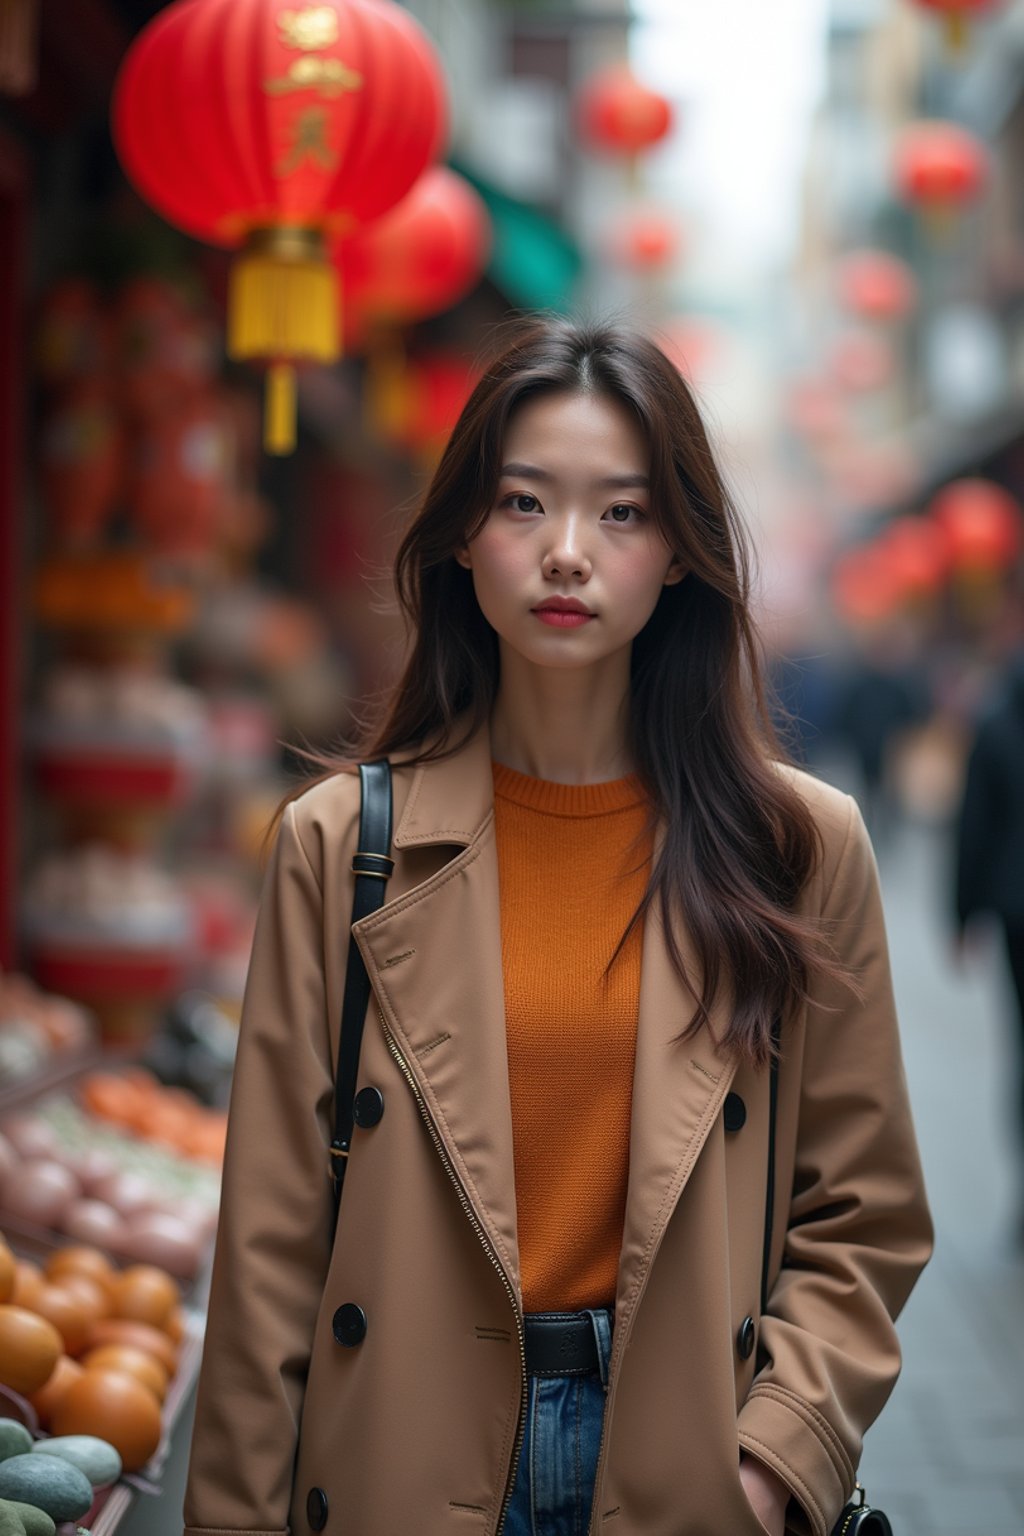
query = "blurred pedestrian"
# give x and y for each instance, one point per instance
(597, 1265)
(990, 841)
(879, 696)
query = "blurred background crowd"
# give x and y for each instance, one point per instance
(815, 206)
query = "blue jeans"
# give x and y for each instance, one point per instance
(554, 1485)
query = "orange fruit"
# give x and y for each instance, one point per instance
(152, 1341)
(82, 1259)
(72, 1317)
(92, 1292)
(117, 1408)
(145, 1294)
(28, 1282)
(6, 1272)
(63, 1374)
(134, 1362)
(175, 1325)
(30, 1347)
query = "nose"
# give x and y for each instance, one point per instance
(565, 555)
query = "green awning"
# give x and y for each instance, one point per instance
(534, 262)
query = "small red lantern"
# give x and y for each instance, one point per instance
(689, 343)
(918, 554)
(646, 240)
(955, 13)
(982, 525)
(862, 362)
(621, 116)
(877, 286)
(940, 166)
(865, 587)
(816, 410)
(418, 259)
(278, 129)
(439, 386)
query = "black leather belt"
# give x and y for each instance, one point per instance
(560, 1344)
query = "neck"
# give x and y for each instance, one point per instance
(560, 724)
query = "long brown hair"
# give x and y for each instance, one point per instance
(739, 840)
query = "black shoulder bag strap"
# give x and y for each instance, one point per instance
(857, 1517)
(371, 866)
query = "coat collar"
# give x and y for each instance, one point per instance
(450, 798)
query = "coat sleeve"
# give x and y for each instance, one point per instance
(275, 1228)
(858, 1231)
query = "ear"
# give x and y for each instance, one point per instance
(676, 571)
(462, 556)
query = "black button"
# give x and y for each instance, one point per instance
(316, 1508)
(734, 1112)
(368, 1107)
(349, 1325)
(746, 1338)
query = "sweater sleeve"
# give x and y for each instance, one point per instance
(858, 1231)
(276, 1218)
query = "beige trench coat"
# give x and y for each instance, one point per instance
(414, 1432)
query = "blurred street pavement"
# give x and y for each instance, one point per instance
(946, 1458)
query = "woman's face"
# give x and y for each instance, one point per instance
(570, 522)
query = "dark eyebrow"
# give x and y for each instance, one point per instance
(605, 482)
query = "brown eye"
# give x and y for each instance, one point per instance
(523, 496)
(622, 510)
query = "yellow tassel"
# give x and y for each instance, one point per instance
(283, 306)
(279, 411)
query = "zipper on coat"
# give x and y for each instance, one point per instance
(467, 1206)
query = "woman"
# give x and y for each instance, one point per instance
(541, 1313)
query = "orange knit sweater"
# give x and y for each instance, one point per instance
(573, 862)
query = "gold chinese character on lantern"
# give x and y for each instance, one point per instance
(328, 76)
(310, 139)
(315, 27)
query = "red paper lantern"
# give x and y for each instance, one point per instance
(861, 362)
(956, 14)
(81, 465)
(439, 386)
(981, 522)
(940, 166)
(619, 115)
(278, 129)
(877, 286)
(418, 259)
(865, 586)
(645, 240)
(917, 553)
(689, 343)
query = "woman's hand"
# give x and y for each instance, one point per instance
(768, 1494)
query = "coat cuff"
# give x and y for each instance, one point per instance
(791, 1437)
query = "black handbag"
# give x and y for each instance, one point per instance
(857, 1517)
(372, 866)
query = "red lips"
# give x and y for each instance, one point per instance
(563, 605)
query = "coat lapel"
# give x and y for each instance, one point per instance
(678, 1088)
(434, 959)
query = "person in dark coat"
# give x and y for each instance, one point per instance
(990, 831)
